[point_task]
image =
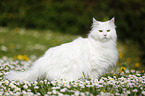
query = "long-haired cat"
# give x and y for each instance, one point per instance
(91, 56)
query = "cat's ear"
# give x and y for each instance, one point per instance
(95, 22)
(111, 22)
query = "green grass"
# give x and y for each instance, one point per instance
(19, 48)
(30, 42)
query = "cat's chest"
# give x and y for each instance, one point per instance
(101, 54)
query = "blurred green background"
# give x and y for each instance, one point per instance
(75, 17)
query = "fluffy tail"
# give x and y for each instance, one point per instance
(30, 75)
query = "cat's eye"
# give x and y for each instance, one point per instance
(108, 30)
(100, 30)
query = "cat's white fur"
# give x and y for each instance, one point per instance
(91, 56)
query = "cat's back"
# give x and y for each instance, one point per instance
(74, 47)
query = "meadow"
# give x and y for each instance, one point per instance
(20, 47)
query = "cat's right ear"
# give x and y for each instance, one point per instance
(95, 21)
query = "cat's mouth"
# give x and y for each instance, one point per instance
(105, 37)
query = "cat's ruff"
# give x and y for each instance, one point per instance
(92, 56)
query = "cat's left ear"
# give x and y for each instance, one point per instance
(111, 22)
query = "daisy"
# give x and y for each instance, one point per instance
(25, 86)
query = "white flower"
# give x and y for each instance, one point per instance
(16, 89)
(30, 94)
(24, 92)
(135, 90)
(132, 71)
(137, 72)
(17, 83)
(7, 94)
(127, 71)
(36, 82)
(53, 88)
(82, 94)
(63, 90)
(127, 92)
(54, 91)
(81, 85)
(114, 77)
(13, 82)
(36, 87)
(75, 85)
(141, 88)
(48, 82)
(25, 86)
(101, 81)
(49, 93)
(1, 73)
(143, 92)
(53, 83)
(117, 94)
(46, 95)
(29, 90)
(45, 81)
(124, 89)
(57, 87)
(87, 93)
(60, 94)
(38, 94)
(4, 48)
(17, 94)
(100, 86)
(0, 83)
(6, 82)
(41, 81)
(7, 68)
(88, 85)
(12, 85)
(143, 83)
(11, 93)
(77, 93)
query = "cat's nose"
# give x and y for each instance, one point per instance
(105, 35)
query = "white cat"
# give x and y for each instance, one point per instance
(92, 56)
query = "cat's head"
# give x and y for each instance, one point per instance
(103, 31)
